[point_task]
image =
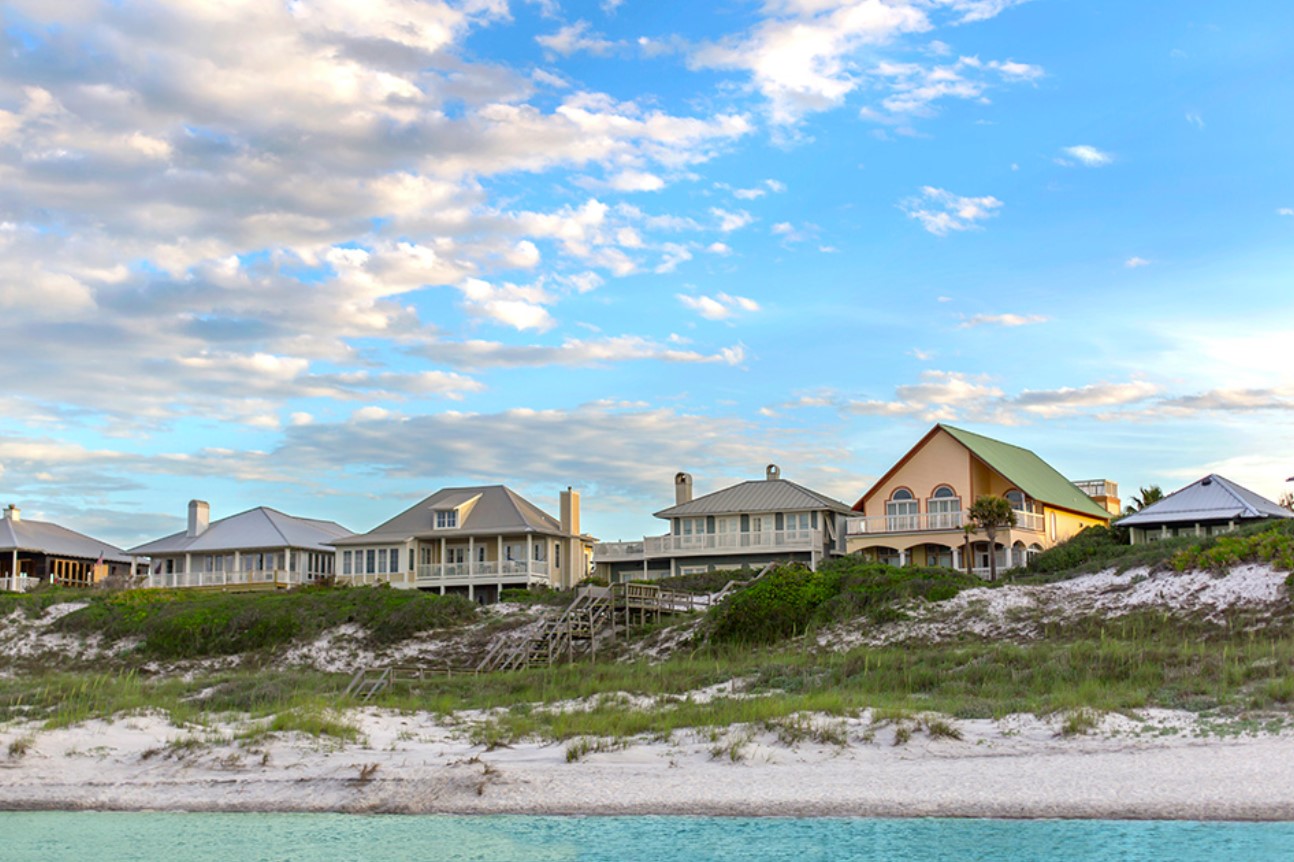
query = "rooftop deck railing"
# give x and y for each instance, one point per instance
(930, 522)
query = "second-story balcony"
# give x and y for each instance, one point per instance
(735, 542)
(931, 522)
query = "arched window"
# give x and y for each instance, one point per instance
(901, 511)
(944, 507)
(1016, 499)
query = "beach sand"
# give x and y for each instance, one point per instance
(1165, 765)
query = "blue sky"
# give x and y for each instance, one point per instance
(330, 257)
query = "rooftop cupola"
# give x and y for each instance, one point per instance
(772, 472)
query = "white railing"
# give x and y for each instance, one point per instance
(789, 540)
(182, 580)
(19, 584)
(463, 573)
(604, 551)
(931, 522)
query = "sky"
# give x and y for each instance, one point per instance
(330, 257)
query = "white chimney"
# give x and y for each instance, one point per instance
(682, 488)
(199, 517)
(570, 512)
(13, 513)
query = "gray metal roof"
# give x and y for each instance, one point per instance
(759, 495)
(254, 529)
(43, 537)
(498, 510)
(1212, 498)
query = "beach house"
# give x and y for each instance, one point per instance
(746, 525)
(916, 512)
(476, 541)
(259, 548)
(1206, 507)
(32, 552)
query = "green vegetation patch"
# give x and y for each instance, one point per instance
(178, 624)
(792, 599)
(1271, 543)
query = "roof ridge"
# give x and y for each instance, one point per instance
(1233, 491)
(267, 512)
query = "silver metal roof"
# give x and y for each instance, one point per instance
(254, 529)
(1212, 498)
(760, 495)
(497, 511)
(43, 537)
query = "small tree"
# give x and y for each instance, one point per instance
(1286, 501)
(988, 513)
(1144, 497)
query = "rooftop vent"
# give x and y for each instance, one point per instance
(772, 472)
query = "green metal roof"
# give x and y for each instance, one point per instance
(1028, 472)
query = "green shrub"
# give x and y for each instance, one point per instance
(1270, 542)
(188, 624)
(791, 599)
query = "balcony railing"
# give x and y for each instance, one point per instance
(931, 522)
(19, 584)
(249, 577)
(718, 543)
(606, 551)
(449, 574)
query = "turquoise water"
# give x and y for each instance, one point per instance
(109, 837)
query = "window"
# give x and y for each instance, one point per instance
(381, 560)
(901, 511)
(797, 522)
(456, 555)
(426, 555)
(446, 519)
(372, 561)
(345, 562)
(557, 556)
(944, 507)
(480, 554)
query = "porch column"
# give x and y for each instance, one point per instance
(530, 555)
(13, 571)
(957, 558)
(442, 565)
(287, 565)
(187, 563)
(903, 558)
(471, 568)
(413, 562)
(499, 561)
(238, 567)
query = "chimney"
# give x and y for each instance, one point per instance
(199, 517)
(682, 488)
(570, 512)
(772, 472)
(13, 513)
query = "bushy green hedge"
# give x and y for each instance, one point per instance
(186, 624)
(704, 583)
(792, 599)
(1272, 542)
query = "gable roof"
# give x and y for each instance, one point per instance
(757, 495)
(1212, 498)
(1017, 465)
(498, 510)
(43, 537)
(261, 527)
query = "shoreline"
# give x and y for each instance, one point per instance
(1160, 768)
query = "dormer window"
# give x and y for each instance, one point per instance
(446, 519)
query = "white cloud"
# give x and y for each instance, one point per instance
(941, 212)
(1195, 119)
(573, 353)
(301, 418)
(719, 248)
(1086, 155)
(636, 181)
(577, 38)
(1134, 262)
(1003, 320)
(518, 306)
(731, 221)
(1285, 211)
(721, 306)
(749, 194)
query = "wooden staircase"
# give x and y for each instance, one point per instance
(590, 613)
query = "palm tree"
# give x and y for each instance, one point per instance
(988, 513)
(1144, 497)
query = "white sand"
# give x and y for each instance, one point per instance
(1165, 765)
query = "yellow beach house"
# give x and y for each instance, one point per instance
(915, 513)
